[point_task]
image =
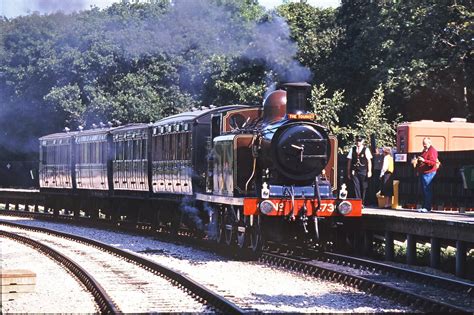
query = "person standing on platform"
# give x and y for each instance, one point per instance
(359, 168)
(386, 177)
(426, 167)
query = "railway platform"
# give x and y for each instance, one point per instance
(438, 228)
(441, 224)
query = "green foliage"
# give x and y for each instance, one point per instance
(97, 65)
(68, 100)
(419, 50)
(316, 32)
(138, 61)
(372, 120)
(327, 109)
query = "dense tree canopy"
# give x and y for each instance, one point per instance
(140, 61)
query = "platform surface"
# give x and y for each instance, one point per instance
(444, 225)
(448, 216)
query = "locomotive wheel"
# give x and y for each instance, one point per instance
(230, 226)
(242, 232)
(229, 234)
(220, 227)
(256, 239)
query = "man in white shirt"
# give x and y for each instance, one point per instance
(359, 167)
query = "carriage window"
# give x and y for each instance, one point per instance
(67, 156)
(118, 150)
(188, 145)
(84, 153)
(174, 148)
(91, 152)
(49, 155)
(97, 152)
(159, 148)
(61, 155)
(178, 149)
(156, 148)
(135, 149)
(154, 151)
(130, 150)
(125, 150)
(53, 154)
(95, 156)
(78, 154)
(144, 149)
(90, 156)
(103, 152)
(43, 155)
(165, 147)
(57, 155)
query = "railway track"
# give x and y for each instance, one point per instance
(423, 292)
(103, 301)
(159, 288)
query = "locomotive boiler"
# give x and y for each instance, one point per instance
(242, 173)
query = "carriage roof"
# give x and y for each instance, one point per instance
(195, 115)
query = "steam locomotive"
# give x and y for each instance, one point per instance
(245, 174)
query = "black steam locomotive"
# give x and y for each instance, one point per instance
(246, 173)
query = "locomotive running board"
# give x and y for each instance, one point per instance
(220, 199)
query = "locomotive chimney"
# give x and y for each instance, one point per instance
(296, 96)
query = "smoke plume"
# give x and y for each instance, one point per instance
(191, 213)
(205, 28)
(52, 6)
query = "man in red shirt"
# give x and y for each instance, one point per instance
(426, 167)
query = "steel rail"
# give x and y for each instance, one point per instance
(102, 299)
(449, 284)
(417, 301)
(195, 289)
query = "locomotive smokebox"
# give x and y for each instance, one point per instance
(297, 97)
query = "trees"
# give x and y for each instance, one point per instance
(317, 34)
(140, 61)
(417, 49)
(372, 120)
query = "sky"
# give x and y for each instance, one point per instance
(14, 8)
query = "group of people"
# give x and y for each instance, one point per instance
(359, 170)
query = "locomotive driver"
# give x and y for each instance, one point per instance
(359, 167)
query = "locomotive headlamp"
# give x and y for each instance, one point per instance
(267, 206)
(344, 207)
